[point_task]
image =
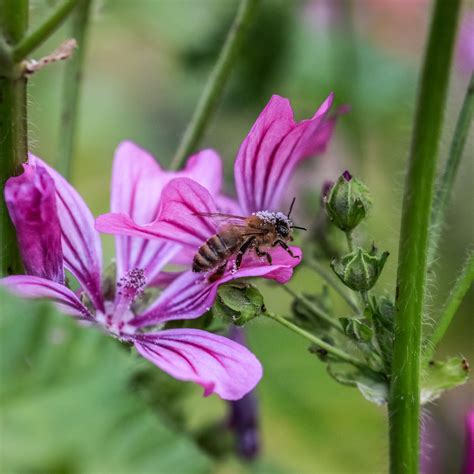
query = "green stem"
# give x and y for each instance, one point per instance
(331, 282)
(350, 241)
(404, 400)
(315, 309)
(71, 88)
(315, 340)
(13, 125)
(446, 181)
(216, 82)
(459, 290)
(34, 39)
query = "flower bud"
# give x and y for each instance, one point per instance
(359, 270)
(31, 202)
(348, 202)
(238, 303)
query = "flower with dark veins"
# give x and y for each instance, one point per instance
(218, 364)
(265, 162)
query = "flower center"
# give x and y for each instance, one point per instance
(118, 312)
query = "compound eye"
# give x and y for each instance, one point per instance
(282, 230)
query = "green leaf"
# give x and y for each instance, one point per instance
(373, 387)
(441, 376)
(67, 403)
(356, 329)
(238, 301)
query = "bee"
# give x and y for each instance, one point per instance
(239, 234)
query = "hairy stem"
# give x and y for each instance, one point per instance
(72, 82)
(13, 123)
(28, 43)
(459, 290)
(404, 400)
(319, 342)
(318, 268)
(446, 182)
(216, 82)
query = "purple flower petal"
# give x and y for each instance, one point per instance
(177, 221)
(192, 294)
(216, 363)
(81, 243)
(31, 202)
(272, 149)
(30, 286)
(137, 182)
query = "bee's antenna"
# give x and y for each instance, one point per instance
(291, 207)
(298, 227)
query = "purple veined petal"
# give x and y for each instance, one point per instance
(82, 249)
(31, 202)
(181, 200)
(137, 183)
(216, 363)
(29, 286)
(192, 294)
(228, 205)
(272, 149)
(164, 279)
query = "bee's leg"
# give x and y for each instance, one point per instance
(218, 273)
(260, 253)
(246, 245)
(283, 245)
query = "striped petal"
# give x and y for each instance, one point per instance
(273, 148)
(29, 286)
(218, 364)
(82, 249)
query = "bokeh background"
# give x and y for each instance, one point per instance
(69, 401)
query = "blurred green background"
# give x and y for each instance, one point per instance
(68, 403)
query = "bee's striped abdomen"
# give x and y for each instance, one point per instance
(211, 254)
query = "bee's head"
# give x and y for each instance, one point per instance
(283, 228)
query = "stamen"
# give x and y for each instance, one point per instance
(129, 288)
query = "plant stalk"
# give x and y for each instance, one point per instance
(72, 82)
(216, 82)
(314, 308)
(13, 123)
(29, 43)
(315, 340)
(459, 290)
(404, 400)
(336, 286)
(446, 181)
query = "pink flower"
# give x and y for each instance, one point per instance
(218, 364)
(264, 164)
(31, 200)
(468, 465)
(465, 47)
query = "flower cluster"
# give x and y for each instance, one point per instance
(157, 218)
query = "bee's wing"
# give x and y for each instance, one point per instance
(221, 219)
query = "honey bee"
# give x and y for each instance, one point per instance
(239, 234)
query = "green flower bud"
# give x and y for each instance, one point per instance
(359, 270)
(348, 202)
(238, 302)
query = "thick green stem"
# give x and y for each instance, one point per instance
(71, 88)
(318, 268)
(28, 43)
(216, 82)
(13, 124)
(404, 400)
(319, 342)
(459, 290)
(446, 181)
